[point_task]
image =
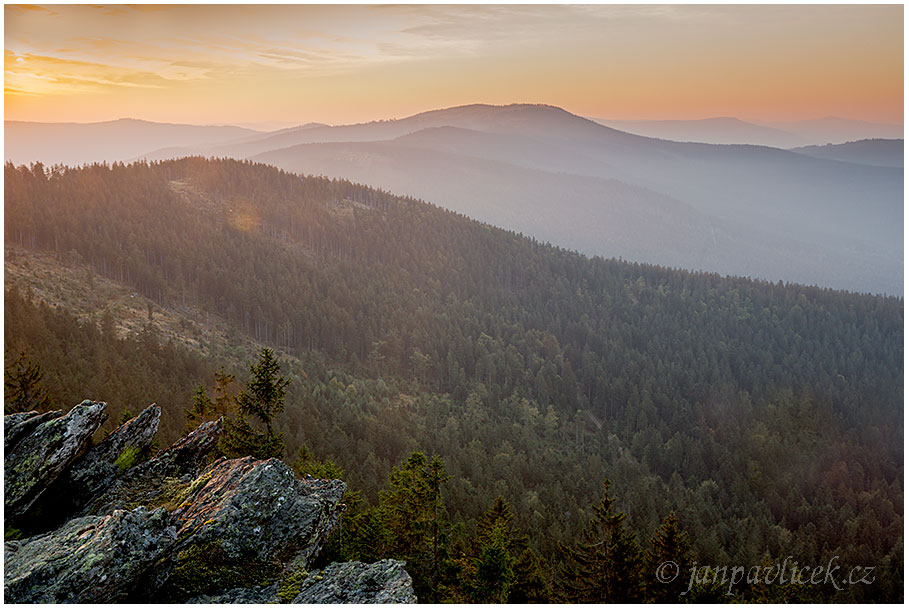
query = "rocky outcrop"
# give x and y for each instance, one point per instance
(249, 517)
(186, 456)
(161, 479)
(171, 528)
(97, 469)
(17, 426)
(254, 506)
(41, 455)
(241, 595)
(117, 453)
(384, 582)
(88, 560)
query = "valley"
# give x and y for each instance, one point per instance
(743, 406)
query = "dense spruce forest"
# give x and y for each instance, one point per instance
(505, 378)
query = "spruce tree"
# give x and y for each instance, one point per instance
(669, 544)
(306, 463)
(530, 582)
(604, 566)
(415, 523)
(225, 394)
(23, 381)
(239, 439)
(262, 398)
(501, 567)
(201, 407)
(494, 568)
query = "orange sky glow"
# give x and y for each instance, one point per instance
(286, 64)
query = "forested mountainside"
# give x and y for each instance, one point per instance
(732, 209)
(768, 417)
(742, 210)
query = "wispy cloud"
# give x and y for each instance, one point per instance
(37, 74)
(77, 49)
(78, 45)
(589, 57)
(13, 9)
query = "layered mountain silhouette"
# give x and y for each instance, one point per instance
(110, 141)
(735, 209)
(721, 130)
(727, 130)
(836, 130)
(875, 152)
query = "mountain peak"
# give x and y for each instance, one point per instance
(530, 119)
(486, 109)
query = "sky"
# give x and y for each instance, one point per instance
(338, 64)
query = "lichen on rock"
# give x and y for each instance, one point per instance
(89, 560)
(19, 425)
(96, 469)
(240, 595)
(170, 529)
(98, 466)
(39, 457)
(153, 482)
(382, 582)
(243, 523)
(254, 506)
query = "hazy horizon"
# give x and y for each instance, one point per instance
(292, 65)
(278, 125)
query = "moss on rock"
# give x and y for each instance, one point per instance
(289, 586)
(127, 459)
(206, 568)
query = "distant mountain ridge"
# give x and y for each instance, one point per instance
(108, 141)
(721, 130)
(522, 119)
(836, 130)
(728, 130)
(875, 152)
(804, 205)
(736, 209)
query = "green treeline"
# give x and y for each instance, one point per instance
(766, 417)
